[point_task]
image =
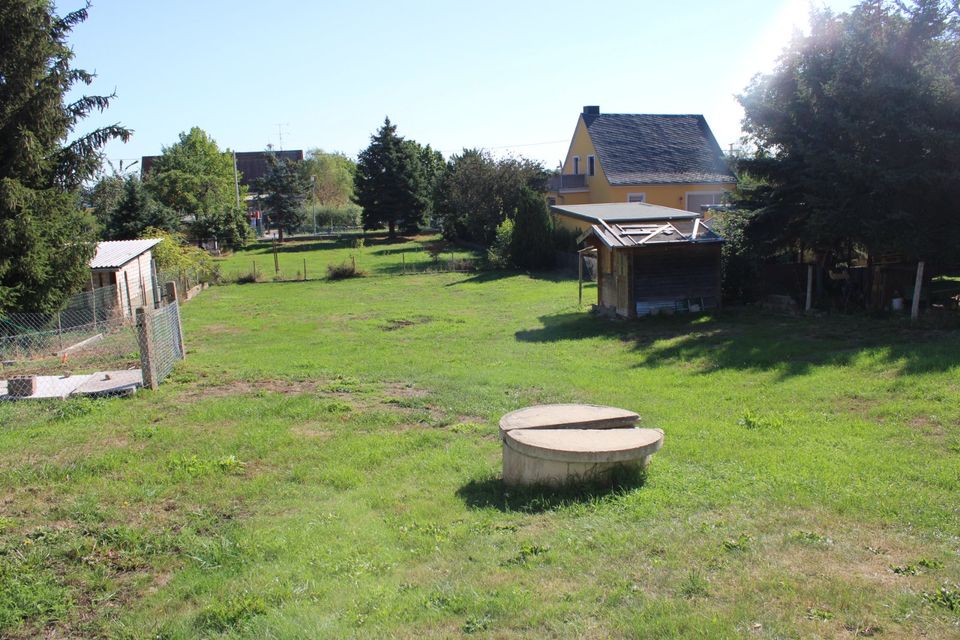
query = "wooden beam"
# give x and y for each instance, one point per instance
(809, 288)
(915, 307)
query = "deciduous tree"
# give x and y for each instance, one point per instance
(195, 178)
(46, 238)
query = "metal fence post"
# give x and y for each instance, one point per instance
(175, 302)
(148, 360)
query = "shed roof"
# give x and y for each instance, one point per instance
(116, 253)
(623, 211)
(656, 148)
(625, 235)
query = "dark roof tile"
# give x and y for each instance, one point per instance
(657, 149)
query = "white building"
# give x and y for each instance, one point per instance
(126, 265)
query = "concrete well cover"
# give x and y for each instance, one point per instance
(568, 416)
(585, 445)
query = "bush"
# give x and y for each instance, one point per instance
(498, 255)
(344, 270)
(532, 243)
(347, 215)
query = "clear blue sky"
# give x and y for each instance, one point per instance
(509, 76)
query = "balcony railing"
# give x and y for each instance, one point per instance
(567, 182)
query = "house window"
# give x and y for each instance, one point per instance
(696, 200)
(591, 165)
(636, 197)
(576, 165)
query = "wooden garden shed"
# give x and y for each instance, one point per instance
(650, 259)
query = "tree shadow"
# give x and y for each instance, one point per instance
(745, 340)
(492, 493)
(484, 277)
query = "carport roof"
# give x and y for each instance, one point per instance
(623, 212)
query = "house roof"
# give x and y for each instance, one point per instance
(623, 212)
(251, 165)
(116, 253)
(656, 149)
(625, 235)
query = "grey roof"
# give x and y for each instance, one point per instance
(656, 149)
(629, 235)
(116, 253)
(623, 212)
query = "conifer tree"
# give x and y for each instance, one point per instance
(285, 186)
(389, 183)
(46, 239)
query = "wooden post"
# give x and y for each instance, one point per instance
(809, 288)
(60, 330)
(580, 278)
(126, 281)
(304, 269)
(403, 262)
(276, 259)
(254, 270)
(173, 298)
(353, 261)
(915, 307)
(93, 301)
(148, 362)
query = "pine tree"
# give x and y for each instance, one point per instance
(389, 183)
(286, 186)
(46, 239)
(135, 211)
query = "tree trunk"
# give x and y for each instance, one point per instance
(393, 228)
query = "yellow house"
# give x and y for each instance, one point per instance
(667, 160)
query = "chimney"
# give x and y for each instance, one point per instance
(591, 111)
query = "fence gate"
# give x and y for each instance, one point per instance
(161, 342)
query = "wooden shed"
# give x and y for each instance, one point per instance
(650, 259)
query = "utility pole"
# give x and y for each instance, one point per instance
(236, 179)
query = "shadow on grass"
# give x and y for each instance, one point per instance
(748, 340)
(495, 275)
(492, 493)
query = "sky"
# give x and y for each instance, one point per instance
(508, 76)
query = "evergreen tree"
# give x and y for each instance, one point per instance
(531, 243)
(134, 211)
(196, 179)
(389, 183)
(285, 186)
(46, 238)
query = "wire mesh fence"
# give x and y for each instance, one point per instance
(90, 347)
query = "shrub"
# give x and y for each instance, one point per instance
(498, 255)
(344, 270)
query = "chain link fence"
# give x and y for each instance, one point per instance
(95, 345)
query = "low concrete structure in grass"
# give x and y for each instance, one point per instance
(560, 444)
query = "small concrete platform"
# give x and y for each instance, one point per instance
(558, 444)
(95, 384)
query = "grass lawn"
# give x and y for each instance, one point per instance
(325, 464)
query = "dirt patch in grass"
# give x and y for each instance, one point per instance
(395, 324)
(403, 390)
(312, 433)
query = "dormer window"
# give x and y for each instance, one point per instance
(591, 165)
(576, 165)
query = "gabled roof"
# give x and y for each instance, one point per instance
(114, 254)
(623, 212)
(656, 149)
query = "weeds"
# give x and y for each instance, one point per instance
(737, 545)
(947, 596)
(194, 466)
(231, 613)
(751, 420)
(694, 586)
(344, 270)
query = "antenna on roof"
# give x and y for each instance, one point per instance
(280, 126)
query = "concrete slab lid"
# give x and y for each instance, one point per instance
(585, 445)
(568, 416)
(107, 382)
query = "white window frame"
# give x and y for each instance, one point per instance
(641, 195)
(591, 165)
(576, 165)
(686, 197)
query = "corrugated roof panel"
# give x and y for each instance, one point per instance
(116, 253)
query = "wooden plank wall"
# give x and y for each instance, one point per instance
(676, 272)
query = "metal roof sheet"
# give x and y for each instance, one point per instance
(116, 253)
(625, 235)
(624, 212)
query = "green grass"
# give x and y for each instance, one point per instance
(379, 255)
(325, 464)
